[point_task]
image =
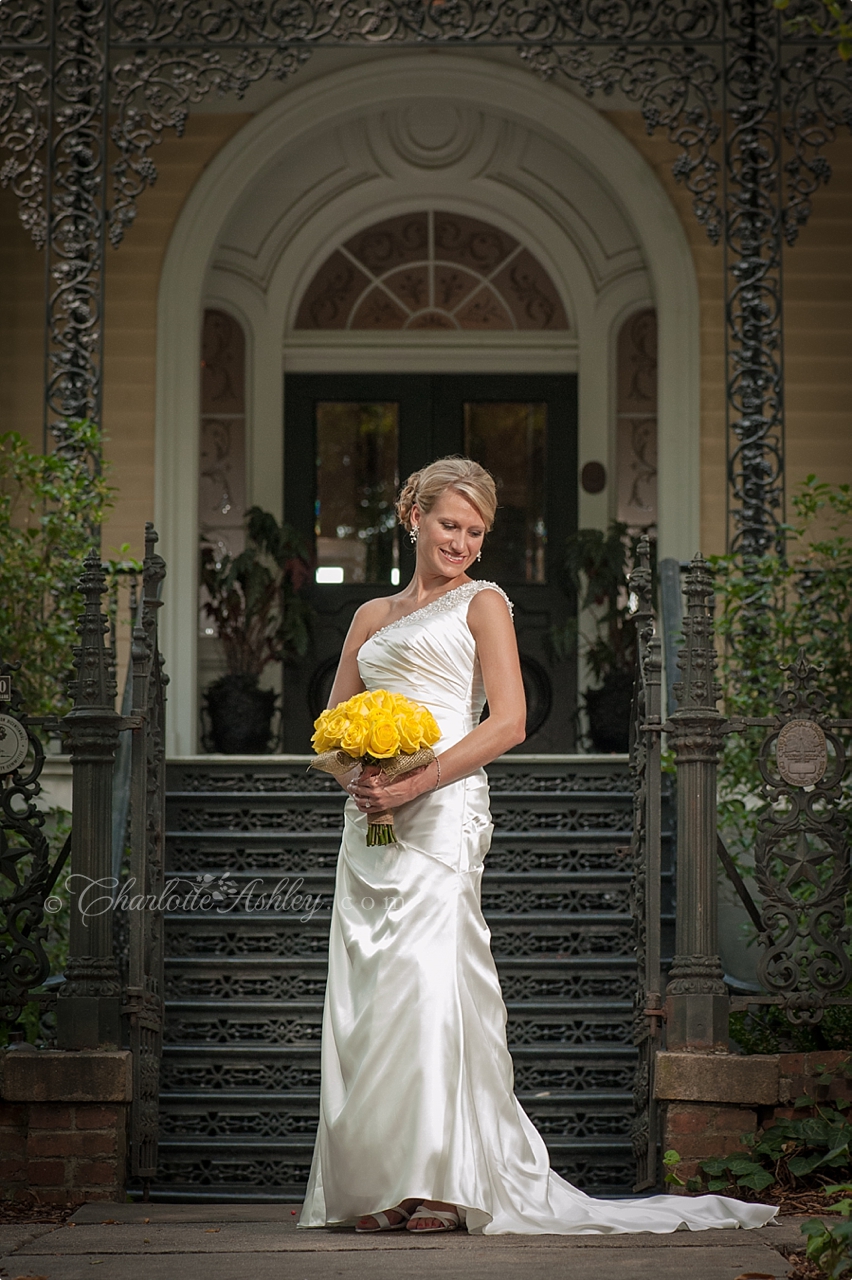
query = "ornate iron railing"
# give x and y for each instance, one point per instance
(107, 998)
(742, 98)
(646, 857)
(802, 851)
(29, 869)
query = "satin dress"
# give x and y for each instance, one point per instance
(417, 1084)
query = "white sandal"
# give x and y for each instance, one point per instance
(384, 1221)
(450, 1220)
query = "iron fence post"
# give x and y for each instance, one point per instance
(89, 1004)
(696, 996)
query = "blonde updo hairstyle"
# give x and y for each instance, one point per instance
(423, 488)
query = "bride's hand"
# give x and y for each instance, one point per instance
(373, 793)
(348, 780)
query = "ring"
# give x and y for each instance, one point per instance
(366, 804)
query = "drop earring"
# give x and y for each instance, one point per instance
(412, 534)
(479, 554)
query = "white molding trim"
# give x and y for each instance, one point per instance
(189, 277)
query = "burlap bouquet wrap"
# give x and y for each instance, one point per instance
(376, 728)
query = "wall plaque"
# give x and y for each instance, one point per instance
(14, 744)
(801, 753)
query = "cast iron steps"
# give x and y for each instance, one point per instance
(245, 984)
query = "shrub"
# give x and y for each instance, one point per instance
(767, 609)
(50, 507)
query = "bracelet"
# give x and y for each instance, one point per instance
(438, 769)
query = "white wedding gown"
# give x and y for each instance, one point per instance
(417, 1096)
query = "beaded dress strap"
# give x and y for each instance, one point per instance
(449, 600)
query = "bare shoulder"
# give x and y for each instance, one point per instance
(372, 615)
(490, 607)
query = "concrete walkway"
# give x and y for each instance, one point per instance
(259, 1242)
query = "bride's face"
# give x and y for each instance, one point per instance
(449, 536)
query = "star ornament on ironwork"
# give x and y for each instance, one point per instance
(803, 863)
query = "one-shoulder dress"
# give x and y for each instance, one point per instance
(417, 1084)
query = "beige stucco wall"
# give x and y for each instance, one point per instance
(817, 333)
(132, 282)
(818, 310)
(21, 325)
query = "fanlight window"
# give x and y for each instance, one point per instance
(432, 270)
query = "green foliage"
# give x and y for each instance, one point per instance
(671, 1160)
(789, 1152)
(595, 569)
(256, 599)
(830, 1247)
(49, 507)
(768, 608)
(57, 828)
(833, 22)
(734, 1171)
(767, 1029)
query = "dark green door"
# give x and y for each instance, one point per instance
(350, 439)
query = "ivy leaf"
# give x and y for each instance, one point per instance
(757, 1181)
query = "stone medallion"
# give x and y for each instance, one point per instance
(14, 744)
(801, 753)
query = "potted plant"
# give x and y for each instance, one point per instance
(595, 570)
(257, 603)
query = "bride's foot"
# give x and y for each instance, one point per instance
(391, 1220)
(444, 1218)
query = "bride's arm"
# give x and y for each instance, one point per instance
(347, 681)
(491, 625)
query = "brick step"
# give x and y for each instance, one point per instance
(304, 977)
(237, 812)
(265, 1068)
(299, 1022)
(536, 933)
(517, 893)
(291, 1115)
(519, 771)
(296, 853)
(241, 1069)
(277, 1170)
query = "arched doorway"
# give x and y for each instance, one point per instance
(337, 155)
(350, 439)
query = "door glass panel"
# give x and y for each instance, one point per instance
(509, 438)
(356, 483)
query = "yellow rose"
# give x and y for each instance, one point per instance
(408, 729)
(320, 739)
(356, 736)
(335, 726)
(429, 731)
(383, 741)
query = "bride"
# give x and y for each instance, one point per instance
(419, 1127)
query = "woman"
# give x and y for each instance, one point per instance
(419, 1126)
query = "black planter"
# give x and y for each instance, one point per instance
(609, 710)
(240, 715)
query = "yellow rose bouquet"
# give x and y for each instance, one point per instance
(378, 728)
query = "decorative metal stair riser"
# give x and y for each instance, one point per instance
(245, 987)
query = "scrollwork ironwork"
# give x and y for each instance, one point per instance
(802, 855)
(144, 993)
(685, 63)
(645, 857)
(28, 873)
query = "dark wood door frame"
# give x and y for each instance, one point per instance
(431, 426)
